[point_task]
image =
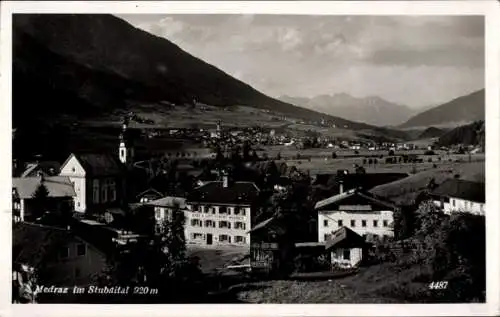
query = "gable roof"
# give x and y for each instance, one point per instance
(345, 238)
(150, 192)
(244, 193)
(168, 201)
(336, 199)
(57, 186)
(97, 164)
(48, 167)
(463, 189)
(32, 243)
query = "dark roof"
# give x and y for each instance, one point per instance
(32, 242)
(345, 238)
(336, 199)
(57, 186)
(236, 193)
(262, 224)
(100, 164)
(150, 192)
(48, 167)
(463, 189)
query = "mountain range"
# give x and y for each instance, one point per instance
(372, 110)
(459, 111)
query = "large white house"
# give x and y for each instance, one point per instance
(219, 213)
(359, 211)
(457, 195)
(98, 180)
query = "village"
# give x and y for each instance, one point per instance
(245, 212)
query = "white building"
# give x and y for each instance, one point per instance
(98, 180)
(219, 213)
(457, 195)
(364, 214)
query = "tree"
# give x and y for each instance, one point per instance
(40, 200)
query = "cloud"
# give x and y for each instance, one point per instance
(409, 59)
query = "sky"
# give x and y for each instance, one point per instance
(417, 61)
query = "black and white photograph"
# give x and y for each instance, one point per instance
(249, 158)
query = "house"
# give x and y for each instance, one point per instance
(346, 248)
(57, 257)
(363, 213)
(148, 195)
(219, 212)
(48, 168)
(268, 254)
(163, 208)
(60, 194)
(99, 181)
(455, 195)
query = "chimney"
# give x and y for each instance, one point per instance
(341, 187)
(225, 181)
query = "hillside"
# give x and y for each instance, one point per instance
(464, 109)
(371, 110)
(431, 132)
(471, 134)
(75, 67)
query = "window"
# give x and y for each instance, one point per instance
(224, 238)
(240, 239)
(95, 191)
(64, 253)
(196, 208)
(236, 211)
(158, 213)
(340, 223)
(386, 223)
(325, 223)
(353, 223)
(223, 210)
(78, 204)
(347, 254)
(197, 236)
(453, 202)
(375, 223)
(196, 223)
(73, 169)
(239, 225)
(112, 190)
(224, 224)
(81, 249)
(209, 224)
(327, 236)
(363, 223)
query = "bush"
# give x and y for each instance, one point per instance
(391, 153)
(429, 152)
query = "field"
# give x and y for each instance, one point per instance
(406, 189)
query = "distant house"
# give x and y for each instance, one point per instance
(48, 168)
(455, 195)
(219, 212)
(57, 256)
(361, 212)
(163, 208)
(148, 195)
(60, 196)
(99, 180)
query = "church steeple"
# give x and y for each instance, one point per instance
(126, 149)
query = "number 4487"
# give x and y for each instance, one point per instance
(438, 285)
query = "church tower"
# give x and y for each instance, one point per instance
(126, 149)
